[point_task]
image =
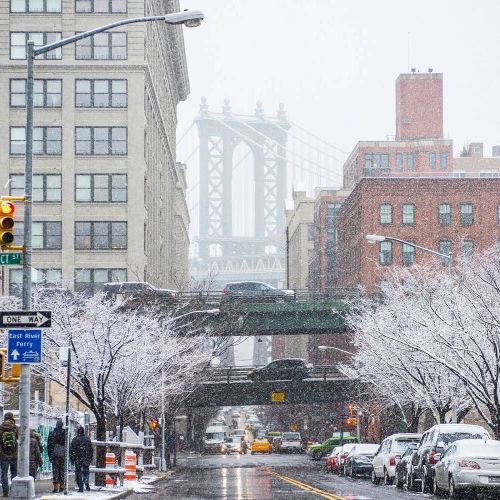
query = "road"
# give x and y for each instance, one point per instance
(263, 477)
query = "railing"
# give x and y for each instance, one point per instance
(239, 374)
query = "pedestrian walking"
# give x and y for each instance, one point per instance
(81, 454)
(56, 449)
(35, 453)
(9, 434)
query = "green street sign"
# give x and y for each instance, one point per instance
(10, 259)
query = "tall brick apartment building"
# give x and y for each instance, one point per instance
(457, 215)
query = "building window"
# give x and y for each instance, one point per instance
(46, 235)
(46, 187)
(488, 174)
(100, 235)
(460, 174)
(18, 41)
(466, 214)
(409, 161)
(44, 277)
(385, 253)
(102, 46)
(46, 140)
(92, 280)
(466, 249)
(100, 6)
(443, 160)
(408, 255)
(101, 93)
(376, 161)
(104, 188)
(444, 215)
(445, 248)
(46, 6)
(399, 161)
(101, 140)
(385, 213)
(432, 159)
(408, 213)
(46, 93)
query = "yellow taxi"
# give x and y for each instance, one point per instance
(261, 446)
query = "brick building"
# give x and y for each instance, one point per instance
(473, 163)
(453, 214)
(419, 148)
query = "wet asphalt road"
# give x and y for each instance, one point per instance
(263, 477)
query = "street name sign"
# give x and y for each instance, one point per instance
(25, 319)
(277, 397)
(10, 259)
(24, 346)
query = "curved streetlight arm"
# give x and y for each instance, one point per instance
(425, 249)
(175, 18)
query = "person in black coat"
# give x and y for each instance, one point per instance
(56, 450)
(81, 454)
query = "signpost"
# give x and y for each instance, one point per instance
(10, 259)
(25, 319)
(24, 347)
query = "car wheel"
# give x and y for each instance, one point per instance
(375, 479)
(454, 493)
(316, 455)
(387, 479)
(399, 480)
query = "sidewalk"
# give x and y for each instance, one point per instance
(43, 489)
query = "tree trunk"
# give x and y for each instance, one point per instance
(100, 479)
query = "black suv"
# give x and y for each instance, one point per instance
(282, 369)
(432, 445)
(255, 291)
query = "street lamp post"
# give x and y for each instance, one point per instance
(376, 238)
(22, 484)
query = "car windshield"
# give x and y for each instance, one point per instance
(291, 436)
(447, 438)
(214, 435)
(365, 449)
(399, 446)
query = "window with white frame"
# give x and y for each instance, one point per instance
(444, 214)
(45, 235)
(35, 6)
(385, 213)
(46, 140)
(385, 253)
(408, 213)
(466, 214)
(408, 252)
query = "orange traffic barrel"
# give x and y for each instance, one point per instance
(110, 464)
(130, 466)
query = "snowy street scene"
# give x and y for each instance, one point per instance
(250, 250)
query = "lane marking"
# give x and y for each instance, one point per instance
(306, 487)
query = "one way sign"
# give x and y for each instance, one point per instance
(25, 319)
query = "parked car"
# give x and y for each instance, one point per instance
(139, 290)
(320, 450)
(389, 454)
(282, 369)
(232, 445)
(332, 460)
(261, 446)
(254, 291)
(469, 466)
(291, 442)
(343, 454)
(433, 444)
(359, 459)
(403, 466)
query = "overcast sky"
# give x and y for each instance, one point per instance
(334, 62)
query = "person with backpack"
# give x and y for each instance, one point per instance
(56, 450)
(81, 454)
(35, 453)
(9, 434)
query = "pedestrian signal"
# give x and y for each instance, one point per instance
(15, 370)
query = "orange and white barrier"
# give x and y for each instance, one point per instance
(110, 464)
(130, 466)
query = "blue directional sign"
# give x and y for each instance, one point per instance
(24, 346)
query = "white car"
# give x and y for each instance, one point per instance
(390, 452)
(291, 443)
(469, 466)
(344, 451)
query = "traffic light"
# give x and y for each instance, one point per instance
(350, 422)
(153, 424)
(15, 370)
(7, 222)
(351, 408)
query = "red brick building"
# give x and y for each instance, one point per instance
(419, 148)
(457, 215)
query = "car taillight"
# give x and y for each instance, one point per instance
(468, 464)
(224, 292)
(432, 459)
(343, 455)
(392, 460)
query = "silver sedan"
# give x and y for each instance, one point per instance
(469, 465)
